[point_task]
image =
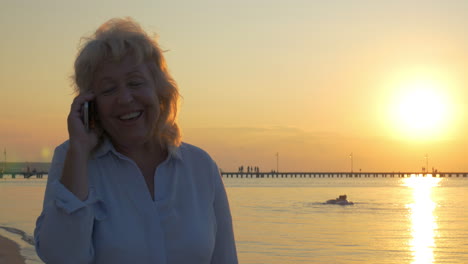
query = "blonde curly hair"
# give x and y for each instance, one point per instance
(112, 41)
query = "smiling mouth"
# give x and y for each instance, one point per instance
(131, 116)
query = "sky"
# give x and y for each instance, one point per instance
(289, 85)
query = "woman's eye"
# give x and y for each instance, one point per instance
(135, 83)
(108, 90)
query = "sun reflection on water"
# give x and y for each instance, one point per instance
(422, 218)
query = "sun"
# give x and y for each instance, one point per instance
(421, 109)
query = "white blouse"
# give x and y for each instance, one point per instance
(189, 220)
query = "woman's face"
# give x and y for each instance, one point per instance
(126, 101)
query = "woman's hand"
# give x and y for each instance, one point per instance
(82, 142)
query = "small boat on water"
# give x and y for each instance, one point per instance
(341, 200)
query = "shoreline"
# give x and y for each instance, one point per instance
(10, 252)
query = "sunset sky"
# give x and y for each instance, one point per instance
(311, 80)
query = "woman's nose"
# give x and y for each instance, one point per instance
(125, 96)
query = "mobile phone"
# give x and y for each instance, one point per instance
(88, 114)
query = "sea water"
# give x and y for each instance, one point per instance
(393, 220)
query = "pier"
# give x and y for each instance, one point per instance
(250, 175)
(288, 175)
(23, 174)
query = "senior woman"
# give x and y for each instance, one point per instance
(128, 190)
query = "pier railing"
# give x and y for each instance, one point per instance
(250, 175)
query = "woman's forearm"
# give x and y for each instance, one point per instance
(64, 229)
(74, 174)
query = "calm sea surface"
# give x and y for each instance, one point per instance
(393, 220)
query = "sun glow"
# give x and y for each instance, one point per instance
(421, 106)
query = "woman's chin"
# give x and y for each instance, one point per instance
(132, 141)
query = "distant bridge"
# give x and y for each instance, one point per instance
(339, 174)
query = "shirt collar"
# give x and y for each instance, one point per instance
(106, 147)
(175, 152)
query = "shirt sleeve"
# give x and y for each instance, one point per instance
(63, 232)
(225, 246)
